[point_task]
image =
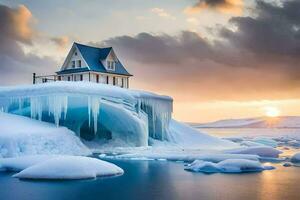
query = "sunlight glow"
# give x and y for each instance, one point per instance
(272, 111)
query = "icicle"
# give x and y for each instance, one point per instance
(89, 110)
(57, 106)
(95, 112)
(160, 111)
(36, 108)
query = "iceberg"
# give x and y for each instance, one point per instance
(69, 167)
(101, 114)
(227, 166)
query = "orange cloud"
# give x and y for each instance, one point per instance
(224, 6)
(22, 20)
(61, 42)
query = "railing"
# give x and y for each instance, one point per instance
(43, 79)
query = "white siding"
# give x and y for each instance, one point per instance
(93, 78)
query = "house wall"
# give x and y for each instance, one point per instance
(72, 57)
(102, 78)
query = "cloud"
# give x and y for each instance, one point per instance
(61, 42)
(16, 30)
(162, 13)
(192, 20)
(259, 60)
(224, 6)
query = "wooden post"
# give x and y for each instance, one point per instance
(89, 76)
(127, 82)
(33, 78)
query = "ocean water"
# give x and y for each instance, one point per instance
(151, 180)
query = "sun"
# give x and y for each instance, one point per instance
(271, 111)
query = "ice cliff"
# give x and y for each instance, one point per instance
(98, 112)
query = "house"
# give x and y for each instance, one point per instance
(87, 63)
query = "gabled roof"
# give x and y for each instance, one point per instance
(92, 56)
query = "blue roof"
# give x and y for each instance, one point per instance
(75, 70)
(93, 55)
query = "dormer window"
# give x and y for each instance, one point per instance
(111, 65)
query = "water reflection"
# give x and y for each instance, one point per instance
(150, 180)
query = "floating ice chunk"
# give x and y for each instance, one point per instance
(228, 166)
(187, 156)
(70, 167)
(294, 143)
(260, 151)
(266, 141)
(20, 163)
(251, 144)
(287, 164)
(296, 158)
(202, 166)
(102, 155)
(24, 136)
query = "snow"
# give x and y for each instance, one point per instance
(24, 136)
(260, 151)
(261, 122)
(90, 109)
(187, 136)
(174, 154)
(251, 144)
(23, 162)
(105, 114)
(227, 166)
(296, 158)
(265, 141)
(70, 167)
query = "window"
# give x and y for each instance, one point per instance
(59, 78)
(97, 78)
(111, 65)
(75, 53)
(122, 82)
(73, 64)
(114, 80)
(107, 80)
(79, 63)
(69, 78)
(81, 77)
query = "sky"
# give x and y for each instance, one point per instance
(217, 58)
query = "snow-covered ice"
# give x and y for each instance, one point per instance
(22, 162)
(187, 136)
(260, 122)
(24, 136)
(266, 141)
(262, 151)
(175, 154)
(296, 158)
(227, 166)
(70, 167)
(100, 113)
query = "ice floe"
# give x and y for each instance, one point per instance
(227, 166)
(70, 167)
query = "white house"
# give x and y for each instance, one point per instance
(87, 63)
